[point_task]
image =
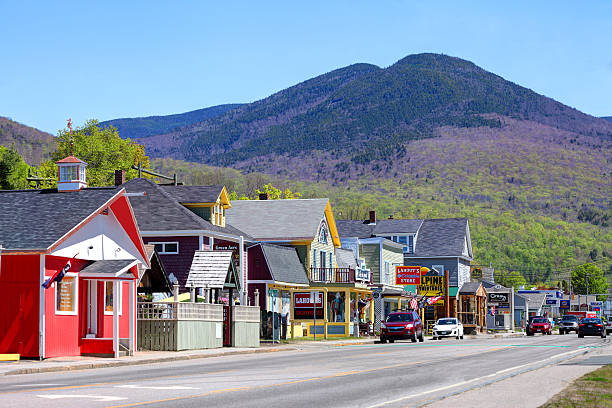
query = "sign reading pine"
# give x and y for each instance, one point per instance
(431, 286)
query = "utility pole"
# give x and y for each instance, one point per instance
(587, 288)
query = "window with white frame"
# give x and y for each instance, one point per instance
(66, 295)
(406, 240)
(314, 258)
(387, 278)
(69, 173)
(166, 248)
(109, 298)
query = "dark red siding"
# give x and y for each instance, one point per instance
(180, 263)
(19, 280)
(258, 267)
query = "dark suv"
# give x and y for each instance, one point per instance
(568, 323)
(402, 325)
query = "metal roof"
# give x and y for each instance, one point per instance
(284, 264)
(209, 269)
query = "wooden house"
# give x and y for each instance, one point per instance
(86, 244)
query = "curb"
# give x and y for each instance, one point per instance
(89, 366)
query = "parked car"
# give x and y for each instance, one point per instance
(591, 326)
(539, 325)
(402, 325)
(447, 327)
(608, 324)
(568, 323)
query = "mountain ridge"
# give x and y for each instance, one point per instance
(33, 144)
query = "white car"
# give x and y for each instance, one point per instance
(448, 327)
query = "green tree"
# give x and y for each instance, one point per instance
(13, 170)
(596, 279)
(102, 149)
(276, 194)
(510, 279)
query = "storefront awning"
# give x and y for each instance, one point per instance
(109, 269)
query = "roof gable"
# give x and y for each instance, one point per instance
(38, 219)
(443, 237)
(280, 220)
(284, 264)
(198, 194)
(212, 269)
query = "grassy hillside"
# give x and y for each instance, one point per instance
(153, 125)
(32, 144)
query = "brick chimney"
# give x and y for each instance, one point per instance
(263, 196)
(372, 217)
(119, 177)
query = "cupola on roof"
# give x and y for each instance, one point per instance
(71, 174)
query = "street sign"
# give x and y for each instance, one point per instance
(552, 302)
(407, 275)
(498, 297)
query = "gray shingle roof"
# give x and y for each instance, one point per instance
(278, 219)
(354, 229)
(534, 299)
(194, 194)
(36, 219)
(159, 210)
(397, 226)
(209, 269)
(284, 264)
(107, 267)
(346, 258)
(441, 237)
(469, 288)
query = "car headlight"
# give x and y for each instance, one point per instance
(409, 325)
(383, 326)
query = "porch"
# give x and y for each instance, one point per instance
(339, 275)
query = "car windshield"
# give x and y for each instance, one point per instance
(540, 320)
(591, 320)
(570, 318)
(399, 317)
(446, 321)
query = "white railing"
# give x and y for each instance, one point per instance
(179, 311)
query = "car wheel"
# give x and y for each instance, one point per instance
(461, 337)
(413, 339)
(603, 335)
(457, 337)
(561, 332)
(391, 340)
(434, 338)
(383, 339)
(529, 333)
(422, 337)
(580, 336)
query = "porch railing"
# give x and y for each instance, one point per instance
(468, 318)
(179, 311)
(332, 275)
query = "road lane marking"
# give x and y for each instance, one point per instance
(152, 387)
(36, 385)
(460, 383)
(101, 398)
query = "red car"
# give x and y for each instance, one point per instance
(402, 325)
(539, 325)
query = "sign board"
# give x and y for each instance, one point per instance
(498, 297)
(552, 302)
(407, 275)
(362, 274)
(229, 246)
(273, 292)
(598, 304)
(564, 304)
(305, 304)
(431, 286)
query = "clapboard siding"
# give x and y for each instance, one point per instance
(180, 263)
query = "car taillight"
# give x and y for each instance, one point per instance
(581, 325)
(598, 325)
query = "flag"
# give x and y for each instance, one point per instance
(414, 303)
(434, 299)
(59, 275)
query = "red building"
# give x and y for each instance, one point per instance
(90, 234)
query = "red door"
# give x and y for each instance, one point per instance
(227, 325)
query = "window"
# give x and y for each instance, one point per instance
(314, 258)
(66, 295)
(166, 248)
(331, 263)
(69, 173)
(387, 278)
(108, 297)
(323, 235)
(438, 268)
(323, 257)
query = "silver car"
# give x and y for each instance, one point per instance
(568, 323)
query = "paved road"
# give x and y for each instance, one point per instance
(373, 375)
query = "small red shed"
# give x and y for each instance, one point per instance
(90, 237)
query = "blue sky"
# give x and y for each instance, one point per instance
(131, 58)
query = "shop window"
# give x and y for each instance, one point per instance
(387, 278)
(66, 296)
(166, 248)
(109, 298)
(335, 307)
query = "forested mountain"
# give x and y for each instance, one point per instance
(607, 118)
(32, 144)
(153, 125)
(365, 113)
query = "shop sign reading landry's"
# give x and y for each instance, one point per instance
(407, 275)
(431, 286)
(305, 305)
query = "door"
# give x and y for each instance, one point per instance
(92, 308)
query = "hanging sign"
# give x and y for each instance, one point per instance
(407, 275)
(431, 286)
